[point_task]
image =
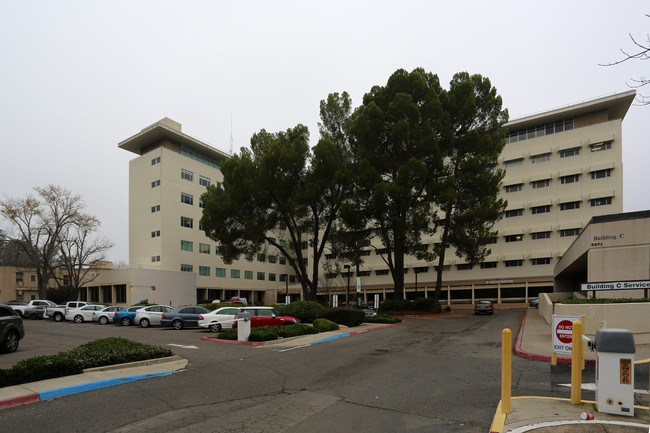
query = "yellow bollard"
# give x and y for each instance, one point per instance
(506, 370)
(576, 363)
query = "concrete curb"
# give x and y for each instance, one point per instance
(517, 350)
(32, 397)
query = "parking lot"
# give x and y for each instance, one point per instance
(47, 337)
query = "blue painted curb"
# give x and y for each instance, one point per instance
(74, 389)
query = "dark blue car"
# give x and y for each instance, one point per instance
(183, 316)
(125, 317)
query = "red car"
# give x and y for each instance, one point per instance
(266, 316)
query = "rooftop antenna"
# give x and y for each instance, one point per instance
(231, 132)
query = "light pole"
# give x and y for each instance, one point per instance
(286, 290)
(347, 293)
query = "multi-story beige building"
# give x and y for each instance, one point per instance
(562, 167)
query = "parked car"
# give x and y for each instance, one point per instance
(58, 312)
(151, 315)
(11, 329)
(484, 307)
(221, 318)
(266, 316)
(35, 312)
(125, 317)
(363, 307)
(238, 300)
(21, 307)
(534, 303)
(106, 315)
(83, 314)
(180, 318)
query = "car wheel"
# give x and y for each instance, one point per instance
(33, 316)
(103, 320)
(144, 323)
(10, 344)
(476, 313)
(78, 319)
(58, 317)
(177, 324)
(215, 327)
(125, 321)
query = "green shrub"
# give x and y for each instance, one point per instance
(324, 325)
(396, 306)
(393, 305)
(269, 333)
(603, 300)
(98, 353)
(305, 311)
(345, 316)
(297, 330)
(383, 318)
(228, 334)
(264, 333)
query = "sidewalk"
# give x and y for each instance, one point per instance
(544, 414)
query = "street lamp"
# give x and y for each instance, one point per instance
(347, 293)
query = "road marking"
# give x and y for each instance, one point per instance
(184, 347)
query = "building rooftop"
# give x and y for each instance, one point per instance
(167, 129)
(616, 106)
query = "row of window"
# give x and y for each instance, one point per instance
(542, 235)
(564, 180)
(571, 205)
(539, 130)
(567, 153)
(204, 271)
(459, 267)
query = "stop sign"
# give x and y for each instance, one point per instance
(564, 331)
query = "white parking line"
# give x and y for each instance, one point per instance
(184, 347)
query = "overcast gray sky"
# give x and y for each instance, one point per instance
(78, 77)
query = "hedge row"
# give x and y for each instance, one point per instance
(98, 353)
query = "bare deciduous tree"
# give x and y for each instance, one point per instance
(641, 52)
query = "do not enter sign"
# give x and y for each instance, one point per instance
(563, 333)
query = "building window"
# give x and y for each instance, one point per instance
(155, 161)
(363, 253)
(248, 275)
(382, 272)
(187, 198)
(492, 240)
(155, 259)
(187, 268)
(514, 238)
(249, 256)
(120, 293)
(220, 272)
(600, 174)
(540, 235)
(282, 260)
(597, 147)
(285, 277)
(261, 276)
(540, 158)
(540, 183)
(271, 277)
(601, 201)
(187, 175)
(155, 183)
(204, 249)
(539, 130)
(464, 267)
(514, 263)
(32, 278)
(570, 152)
(569, 232)
(540, 209)
(292, 278)
(570, 205)
(204, 181)
(235, 273)
(273, 259)
(514, 163)
(187, 246)
(329, 276)
(261, 257)
(572, 178)
(514, 213)
(514, 188)
(155, 208)
(155, 233)
(204, 271)
(199, 156)
(187, 222)
(19, 278)
(541, 261)
(201, 203)
(488, 265)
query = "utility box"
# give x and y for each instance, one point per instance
(243, 326)
(615, 371)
